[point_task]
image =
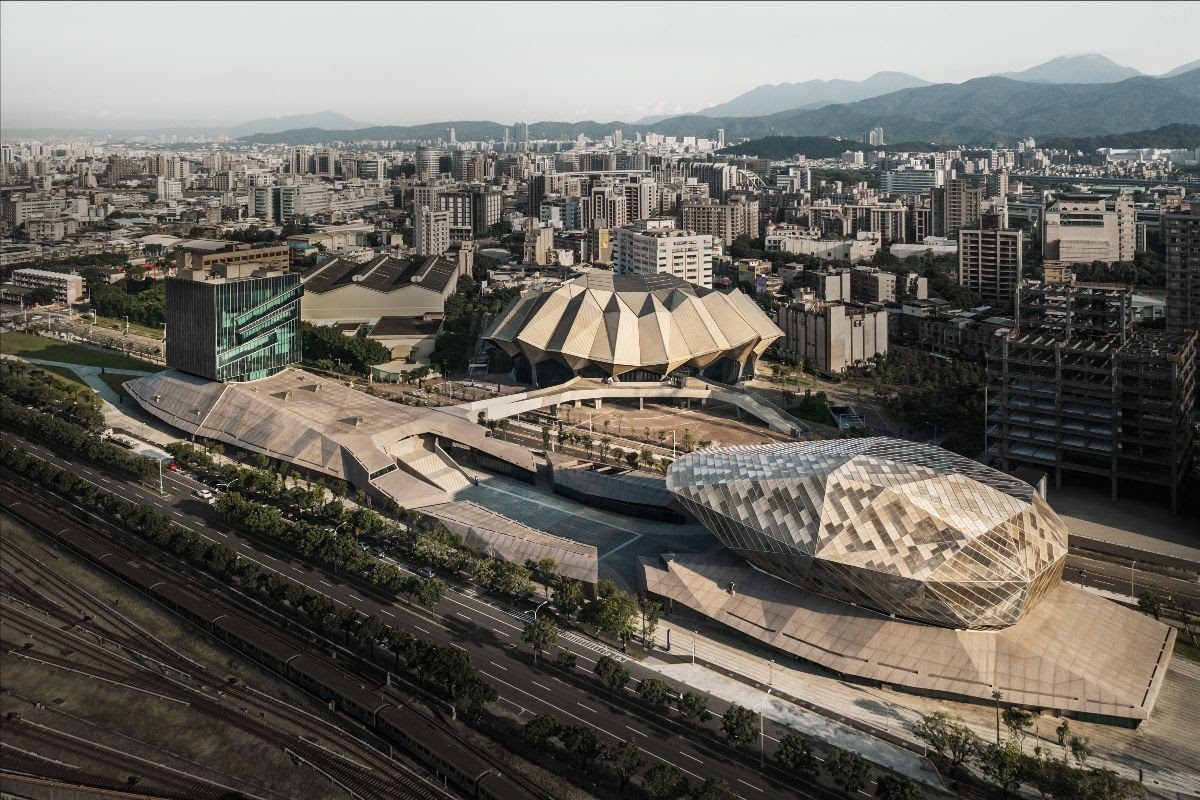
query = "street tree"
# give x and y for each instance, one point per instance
(896, 787)
(566, 659)
(1081, 750)
(848, 770)
(952, 741)
(581, 742)
(614, 674)
(1018, 721)
(740, 725)
(665, 782)
(1150, 603)
(568, 596)
(795, 753)
(651, 611)
(541, 728)
(693, 706)
(715, 789)
(541, 635)
(623, 758)
(1004, 764)
(654, 691)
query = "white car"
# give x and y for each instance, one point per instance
(203, 494)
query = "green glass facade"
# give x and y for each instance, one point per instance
(233, 330)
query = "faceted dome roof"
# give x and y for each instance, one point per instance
(899, 527)
(625, 322)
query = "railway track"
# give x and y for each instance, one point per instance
(362, 770)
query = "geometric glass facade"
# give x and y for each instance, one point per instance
(233, 329)
(905, 529)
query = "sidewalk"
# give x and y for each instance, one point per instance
(890, 713)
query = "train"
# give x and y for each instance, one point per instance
(400, 724)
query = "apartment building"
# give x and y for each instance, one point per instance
(831, 336)
(431, 231)
(651, 247)
(67, 286)
(990, 261)
(1181, 238)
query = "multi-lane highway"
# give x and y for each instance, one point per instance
(491, 634)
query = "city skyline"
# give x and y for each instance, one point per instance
(221, 84)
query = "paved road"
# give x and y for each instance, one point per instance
(1121, 578)
(491, 634)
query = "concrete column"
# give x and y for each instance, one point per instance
(599, 403)
(641, 404)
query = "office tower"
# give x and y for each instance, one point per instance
(618, 138)
(1084, 227)
(907, 180)
(720, 178)
(957, 205)
(263, 203)
(233, 322)
(325, 161)
(431, 232)
(428, 161)
(720, 138)
(875, 137)
(1181, 237)
(989, 260)
(451, 136)
(301, 161)
(522, 131)
(301, 200)
(1077, 389)
(651, 247)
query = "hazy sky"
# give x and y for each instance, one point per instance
(170, 64)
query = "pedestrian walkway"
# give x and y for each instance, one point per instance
(890, 713)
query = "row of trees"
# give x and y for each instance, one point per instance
(442, 666)
(76, 438)
(466, 311)
(1005, 763)
(32, 386)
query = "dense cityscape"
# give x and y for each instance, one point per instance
(822, 439)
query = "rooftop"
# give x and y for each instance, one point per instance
(382, 274)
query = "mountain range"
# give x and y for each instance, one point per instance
(979, 111)
(329, 120)
(1089, 68)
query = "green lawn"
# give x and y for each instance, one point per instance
(114, 382)
(67, 375)
(25, 344)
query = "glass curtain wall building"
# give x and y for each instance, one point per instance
(233, 328)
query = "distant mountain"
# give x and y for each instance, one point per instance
(1174, 136)
(329, 120)
(1182, 68)
(1090, 68)
(771, 99)
(981, 111)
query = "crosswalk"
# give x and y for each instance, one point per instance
(574, 638)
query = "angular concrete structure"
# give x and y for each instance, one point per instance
(899, 527)
(646, 327)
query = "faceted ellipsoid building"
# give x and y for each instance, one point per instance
(641, 327)
(898, 527)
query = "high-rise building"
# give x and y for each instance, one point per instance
(431, 231)
(651, 247)
(429, 162)
(1082, 227)
(720, 138)
(522, 133)
(233, 322)
(910, 181)
(325, 161)
(1181, 238)
(167, 189)
(301, 161)
(1077, 389)
(956, 206)
(875, 137)
(989, 260)
(723, 221)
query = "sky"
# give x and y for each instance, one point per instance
(144, 65)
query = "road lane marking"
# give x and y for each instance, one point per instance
(385, 611)
(693, 758)
(356, 598)
(635, 730)
(751, 785)
(323, 583)
(586, 708)
(422, 630)
(544, 686)
(498, 666)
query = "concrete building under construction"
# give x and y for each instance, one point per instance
(1077, 389)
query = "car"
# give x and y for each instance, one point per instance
(425, 572)
(173, 466)
(203, 494)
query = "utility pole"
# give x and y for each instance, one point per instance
(997, 695)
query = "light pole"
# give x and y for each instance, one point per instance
(539, 608)
(997, 695)
(693, 647)
(762, 734)
(1132, 565)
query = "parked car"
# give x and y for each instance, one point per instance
(425, 572)
(173, 466)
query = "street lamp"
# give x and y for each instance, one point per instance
(1132, 565)
(997, 695)
(539, 608)
(762, 734)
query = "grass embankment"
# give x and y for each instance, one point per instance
(119, 326)
(30, 346)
